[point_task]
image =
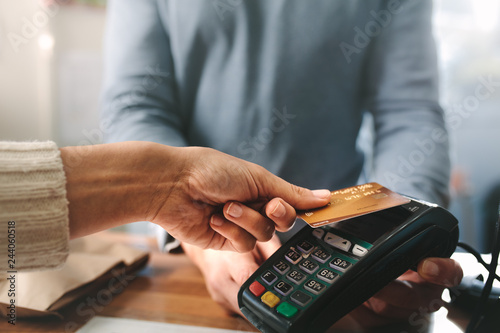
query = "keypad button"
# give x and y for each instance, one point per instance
(309, 266)
(337, 241)
(300, 297)
(296, 276)
(321, 255)
(270, 299)
(359, 251)
(305, 247)
(326, 275)
(314, 287)
(257, 289)
(318, 233)
(340, 264)
(283, 288)
(281, 267)
(287, 310)
(293, 256)
(269, 277)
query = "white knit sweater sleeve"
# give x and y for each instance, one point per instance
(33, 203)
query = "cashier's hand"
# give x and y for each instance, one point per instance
(412, 295)
(225, 272)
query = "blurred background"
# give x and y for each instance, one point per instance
(51, 68)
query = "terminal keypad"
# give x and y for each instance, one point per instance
(306, 270)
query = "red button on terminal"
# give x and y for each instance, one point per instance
(257, 289)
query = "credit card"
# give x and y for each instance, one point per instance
(351, 202)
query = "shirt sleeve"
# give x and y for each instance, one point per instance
(139, 99)
(411, 143)
(33, 206)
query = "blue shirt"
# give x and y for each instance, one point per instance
(284, 84)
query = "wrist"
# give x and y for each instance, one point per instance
(194, 253)
(114, 184)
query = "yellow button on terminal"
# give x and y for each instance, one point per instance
(270, 299)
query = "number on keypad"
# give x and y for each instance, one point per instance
(281, 267)
(308, 266)
(340, 264)
(327, 275)
(321, 255)
(305, 247)
(296, 276)
(314, 286)
(283, 288)
(293, 256)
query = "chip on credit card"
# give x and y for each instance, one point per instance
(351, 202)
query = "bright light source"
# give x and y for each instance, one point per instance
(486, 13)
(46, 42)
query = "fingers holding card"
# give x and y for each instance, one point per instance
(351, 202)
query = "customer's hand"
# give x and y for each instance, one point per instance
(199, 195)
(224, 203)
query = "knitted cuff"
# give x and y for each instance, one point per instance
(33, 203)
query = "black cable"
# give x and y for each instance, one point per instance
(478, 316)
(477, 255)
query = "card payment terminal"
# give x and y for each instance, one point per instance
(322, 274)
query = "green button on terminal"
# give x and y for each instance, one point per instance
(286, 310)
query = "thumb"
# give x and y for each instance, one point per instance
(441, 271)
(298, 197)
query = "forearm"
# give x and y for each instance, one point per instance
(151, 123)
(411, 143)
(411, 153)
(112, 184)
(140, 100)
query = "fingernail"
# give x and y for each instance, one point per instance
(234, 210)
(430, 268)
(321, 194)
(279, 210)
(216, 220)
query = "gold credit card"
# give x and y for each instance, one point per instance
(351, 202)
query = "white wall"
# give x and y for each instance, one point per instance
(49, 92)
(78, 31)
(24, 106)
